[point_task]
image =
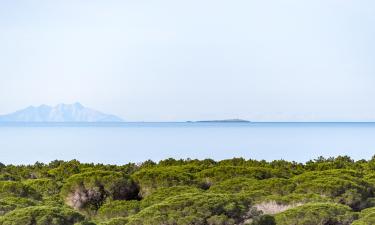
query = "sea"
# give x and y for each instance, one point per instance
(120, 143)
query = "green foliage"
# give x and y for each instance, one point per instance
(193, 208)
(118, 208)
(65, 170)
(41, 215)
(344, 186)
(367, 217)
(264, 220)
(115, 221)
(164, 193)
(316, 213)
(44, 186)
(294, 198)
(10, 203)
(220, 220)
(324, 191)
(216, 174)
(150, 179)
(90, 190)
(270, 186)
(17, 189)
(341, 162)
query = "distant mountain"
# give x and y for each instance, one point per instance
(60, 113)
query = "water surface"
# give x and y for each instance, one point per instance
(135, 142)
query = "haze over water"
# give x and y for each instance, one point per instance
(135, 142)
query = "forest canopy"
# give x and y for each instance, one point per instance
(324, 191)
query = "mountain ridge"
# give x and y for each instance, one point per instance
(75, 112)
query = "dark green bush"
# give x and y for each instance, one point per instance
(220, 220)
(10, 203)
(193, 208)
(90, 190)
(294, 198)
(44, 186)
(343, 186)
(41, 215)
(190, 192)
(161, 194)
(65, 170)
(217, 174)
(17, 189)
(116, 221)
(317, 213)
(264, 220)
(118, 208)
(150, 179)
(366, 217)
(270, 186)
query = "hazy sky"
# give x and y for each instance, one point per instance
(162, 60)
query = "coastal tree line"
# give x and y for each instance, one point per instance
(324, 191)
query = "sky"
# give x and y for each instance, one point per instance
(168, 60)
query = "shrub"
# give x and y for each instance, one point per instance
(118, 208)
(316, 213)
(367, 217)
(220, 220)
(41, 215)
(44, 186)
(150, 179)
(17, 189)
(115, 221)
(193, 208)
(343, 186)
(10, 203)
(90, 190)
(164, 193)
(279, 186)
(216, 174)
(65, 170)
(264, 220)
(294, 198)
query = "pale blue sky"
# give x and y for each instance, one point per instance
(166, 60)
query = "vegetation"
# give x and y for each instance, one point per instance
(333, 191)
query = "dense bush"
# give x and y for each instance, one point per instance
(294, 198)
(41, 215)
(90, 190)
(65, 169)
(194, 208)
(332, 191)
(367, 217)
(115, 221)
(151, 179)
(264, 220)
(44, 186)
(17, 189)
(270, 186)
(343, 186)
(317, 213)
(118, 208)
(10, 203)
(164, 193)
(217, 174)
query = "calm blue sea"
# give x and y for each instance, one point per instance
(136, 142)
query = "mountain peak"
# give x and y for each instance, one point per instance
(75, 112)
(78, 105)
